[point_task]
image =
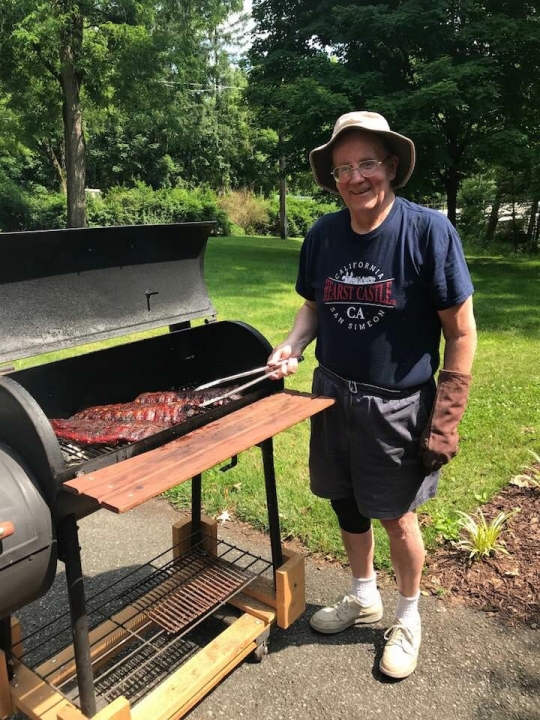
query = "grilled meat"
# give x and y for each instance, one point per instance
(92, 432)
(191, 397)
(170, 414)
(147, 414)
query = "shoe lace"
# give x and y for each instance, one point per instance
(398, 634)
(342, 607)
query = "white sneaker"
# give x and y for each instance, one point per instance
(400, 654)
(345, 613)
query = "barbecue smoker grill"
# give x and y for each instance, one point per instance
(128, 651)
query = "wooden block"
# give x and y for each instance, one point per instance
(6, 705)
(69, 713)
(38, 700)
(16, 639)
(253, 607)
(119, 709)
(182, 532)
(262, 589)
(199, 674)
(290, 590)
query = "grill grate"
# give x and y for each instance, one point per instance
(74, 454)
(189, 588)
(147, 623)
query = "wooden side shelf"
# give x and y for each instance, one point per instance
(123, 486)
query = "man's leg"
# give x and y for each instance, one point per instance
(359, 548)
(406, 551)
(404, 636)
(363, 604)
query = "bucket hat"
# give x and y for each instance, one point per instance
(321, 157)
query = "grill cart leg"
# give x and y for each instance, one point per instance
(6, 644)
(196, 500)
(70, 552)
(267, 447)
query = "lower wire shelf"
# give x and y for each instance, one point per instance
(149, 622)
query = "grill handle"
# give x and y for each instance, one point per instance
(7, 528)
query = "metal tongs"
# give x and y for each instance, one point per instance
(264, 369)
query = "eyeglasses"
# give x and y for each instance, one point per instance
(366, 168)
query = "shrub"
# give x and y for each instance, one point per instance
(475, 195)
(142, 205)
(14, 211)
(482, 539)
(47, 210)
(301, 214)
(248, 211)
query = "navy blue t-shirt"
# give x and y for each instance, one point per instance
(378, 294)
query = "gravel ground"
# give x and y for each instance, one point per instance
(471, 668)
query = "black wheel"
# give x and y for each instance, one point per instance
(259, 653)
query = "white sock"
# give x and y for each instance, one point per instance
(365, 590)
(407, 611)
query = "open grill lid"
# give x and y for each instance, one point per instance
(63, 288)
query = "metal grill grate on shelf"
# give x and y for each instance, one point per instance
(150, 617)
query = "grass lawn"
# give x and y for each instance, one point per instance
(252, 279)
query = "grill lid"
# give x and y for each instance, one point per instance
(63, 288)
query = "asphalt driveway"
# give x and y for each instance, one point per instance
(471, 667)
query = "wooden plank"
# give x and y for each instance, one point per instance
(68, 713)
(200, 673)
(105, 642)
(253, 607)
(111, 477)
(37, 699)
(125, 485)
(6, 705)
(16, 639)
(290, 590)
(119, 709)
(218, 677)
(193, 460)
(199, 450)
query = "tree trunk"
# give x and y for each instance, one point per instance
(452, 186)
(73, 130)
(47, 148)
(533, 220)
(493, 217)
(283, 229)
(536, 237)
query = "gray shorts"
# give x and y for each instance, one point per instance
(366, 446)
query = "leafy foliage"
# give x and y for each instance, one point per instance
(482, 538)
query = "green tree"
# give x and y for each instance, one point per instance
(449, 74)
(110, 59)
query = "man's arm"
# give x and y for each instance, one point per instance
(459, 330)
(303, 332)
(439, 442)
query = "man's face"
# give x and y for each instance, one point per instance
(363, 195)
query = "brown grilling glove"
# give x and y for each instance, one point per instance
(439, 441)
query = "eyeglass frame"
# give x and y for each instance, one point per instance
(357, 167)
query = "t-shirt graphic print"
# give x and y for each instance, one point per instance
(358, 295)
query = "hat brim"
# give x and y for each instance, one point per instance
(320, 158)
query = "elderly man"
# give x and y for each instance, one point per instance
(381, 279)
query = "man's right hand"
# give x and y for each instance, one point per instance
(283, 352)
